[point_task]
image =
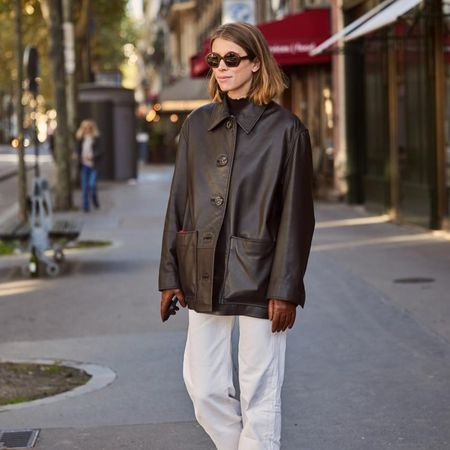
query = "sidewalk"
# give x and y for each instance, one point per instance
(9, 177)
(368, 363)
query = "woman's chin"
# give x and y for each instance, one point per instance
(224, 88)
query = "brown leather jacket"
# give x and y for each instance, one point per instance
(240, 217)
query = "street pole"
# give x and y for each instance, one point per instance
(31, 64)
(22, 177)
(340, 114)
(70, 66)
(35, 136)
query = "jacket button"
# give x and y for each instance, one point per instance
(222, 160)
(217, 200)
(229, 124)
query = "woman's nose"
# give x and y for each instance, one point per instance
(222, 65)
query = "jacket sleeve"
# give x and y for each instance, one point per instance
(168, 268)
(98, 154)
(79, 147)
(296, 224)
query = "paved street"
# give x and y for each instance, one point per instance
(368, 364)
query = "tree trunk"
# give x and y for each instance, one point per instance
(22, 178)
(83, 72)
(63, 199)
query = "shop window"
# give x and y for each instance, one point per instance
(415, 118)
(376, 110)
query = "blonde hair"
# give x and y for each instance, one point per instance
(81, 132)
(269, 81)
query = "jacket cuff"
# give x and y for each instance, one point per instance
(168, 283)
(160, 289)
(280, 292)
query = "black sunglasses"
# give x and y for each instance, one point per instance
(231, 59)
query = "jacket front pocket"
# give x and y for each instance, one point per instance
(186, 248)
(248, 270)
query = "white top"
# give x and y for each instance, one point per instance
(87, 152)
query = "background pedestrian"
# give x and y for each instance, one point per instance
(89, 156)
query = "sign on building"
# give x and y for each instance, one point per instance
(238, 11)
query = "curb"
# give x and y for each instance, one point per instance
(13, 173)
(102, 376)
(8, 175)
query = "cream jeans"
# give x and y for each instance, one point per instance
(254, 421)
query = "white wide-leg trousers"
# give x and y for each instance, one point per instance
(254, 422)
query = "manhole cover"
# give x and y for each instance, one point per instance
(18, 438)
(413, 280)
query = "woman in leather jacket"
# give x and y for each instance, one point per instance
(236, 240)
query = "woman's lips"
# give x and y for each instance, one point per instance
(223, 78)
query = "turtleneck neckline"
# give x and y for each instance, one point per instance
(236, 105)
(236, 99)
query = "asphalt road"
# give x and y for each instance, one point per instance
(368, 363)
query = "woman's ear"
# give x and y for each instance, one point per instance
(255, 65)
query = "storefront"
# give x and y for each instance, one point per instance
(398, 109)
(168, 113)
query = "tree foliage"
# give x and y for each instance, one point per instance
(34, 33)
(110, 32)
(104, 22)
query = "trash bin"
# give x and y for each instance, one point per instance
(113, 109)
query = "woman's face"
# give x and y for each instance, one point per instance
(236, 81)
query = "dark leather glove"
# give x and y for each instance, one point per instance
(166, 298)
(282, 314)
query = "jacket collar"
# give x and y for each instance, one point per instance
(247, 118)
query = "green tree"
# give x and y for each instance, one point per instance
(108, 40)
(53, 10)
(104, 22)
(34, 32)
(102, 34)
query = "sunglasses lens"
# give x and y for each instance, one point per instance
(232, 59)
(212, 60)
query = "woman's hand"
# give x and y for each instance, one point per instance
(282, 314)
(166, 298)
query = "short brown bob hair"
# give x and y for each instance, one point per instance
(269, 81)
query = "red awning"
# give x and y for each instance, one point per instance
(199, 68)
(290, 39)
